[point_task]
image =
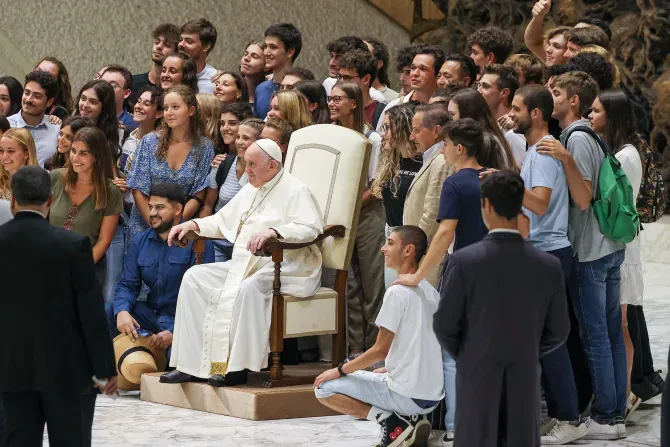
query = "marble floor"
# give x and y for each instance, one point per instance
(130, 422)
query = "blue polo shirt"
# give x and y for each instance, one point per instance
(160, 267)
(263, 96)
(45, 135)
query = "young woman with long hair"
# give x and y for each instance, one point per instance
(230, 87)
(85, 200)
(226, 180)
(17, 149)
(63, 105)
(96, 102)
(469, 103)
(178, 153)
(66, 135)
(613, 117)
(290, 105)
(11, 92)
(179, 69)
(210, 112)
(147, 113)
(317, 101)
(231, 117)
(366, 287)
(398, 165)
(252, 66)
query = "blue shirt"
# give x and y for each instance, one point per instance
(160, 267)
(263, 96)
(127, 120)
(45, 135)
(461, 200)
(550, 231)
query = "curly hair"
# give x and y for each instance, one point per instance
(492, 40)
(388, 172)
(195, 127)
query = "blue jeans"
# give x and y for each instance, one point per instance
(557, 374)
(598, 310)
(449, 369)
(148, 319)
(223, 250)
(114, 257)
(372, 389)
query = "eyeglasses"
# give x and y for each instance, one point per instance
(346, 78)
(336, 99)
(385, 128)
(71, 214)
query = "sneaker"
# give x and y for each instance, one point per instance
(564, 432)
(546, 425)
(631, 405)
(448, 437)
(621, 427)
(657, 380)
(420, 433)
(606, 432)
(395, 430)
(645, 390)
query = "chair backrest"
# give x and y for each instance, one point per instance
(333, 162)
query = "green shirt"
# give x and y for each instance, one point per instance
(87, 220)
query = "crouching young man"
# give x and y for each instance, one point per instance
(410, 385)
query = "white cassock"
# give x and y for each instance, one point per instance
(223, 313)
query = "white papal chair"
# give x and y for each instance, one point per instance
(333, 162)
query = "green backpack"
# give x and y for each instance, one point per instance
(614, 205)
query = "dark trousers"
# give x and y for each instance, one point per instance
(665, 414)
(149, 319)
(69, 418)
(558, 378)
(643, 364)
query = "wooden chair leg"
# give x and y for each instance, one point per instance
(277, 321)
(339, 339)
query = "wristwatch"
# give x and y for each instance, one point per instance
(339, 369)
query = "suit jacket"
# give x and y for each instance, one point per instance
(503, 301)
(52, 320)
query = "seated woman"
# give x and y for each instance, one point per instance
(179, 69)
(17, 149)
(177, 153)
(85, 200)
(65, 137)
(226, 180)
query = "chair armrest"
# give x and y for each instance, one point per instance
(272, 245)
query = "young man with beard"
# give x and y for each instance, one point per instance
(196, 40)
(163, 275)
(166, 38)
(39, 92)
(545, 205)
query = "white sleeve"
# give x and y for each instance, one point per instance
(393, 308)
(376, 141)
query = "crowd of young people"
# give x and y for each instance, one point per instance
(115, 149)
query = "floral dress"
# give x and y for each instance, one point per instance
(146, 170)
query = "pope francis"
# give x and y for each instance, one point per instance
(223, 311)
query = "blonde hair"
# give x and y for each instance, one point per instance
(293, 107)
(600, 51)
(25, 140)
(210, 113)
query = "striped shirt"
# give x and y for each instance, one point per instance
(229, 188)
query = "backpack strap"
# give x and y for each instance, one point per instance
(379, 109)
(600, 144)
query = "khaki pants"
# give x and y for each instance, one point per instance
(365, 284)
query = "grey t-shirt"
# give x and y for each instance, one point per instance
(583, 230)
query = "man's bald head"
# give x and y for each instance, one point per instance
(260, 167)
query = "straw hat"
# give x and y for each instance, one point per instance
(134, 358)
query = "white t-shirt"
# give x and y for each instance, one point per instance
(631, 164)
(414, 362)
(205, 84)
(374, 93)
(518, 144)
(375, 153)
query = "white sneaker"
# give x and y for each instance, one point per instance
(621, 427)
(605, 432)
(546, 424)
(564, 432)
(448, 438)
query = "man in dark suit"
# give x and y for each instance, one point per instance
(503, 305)
(52, 323)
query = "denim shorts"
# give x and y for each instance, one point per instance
(372, 389)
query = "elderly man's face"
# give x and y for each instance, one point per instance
(260, 167)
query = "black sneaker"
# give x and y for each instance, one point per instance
(645, 390)
(395, 430)
(657, 380)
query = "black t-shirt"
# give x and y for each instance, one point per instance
(461, 200)
(394, 205)
(139, 81)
